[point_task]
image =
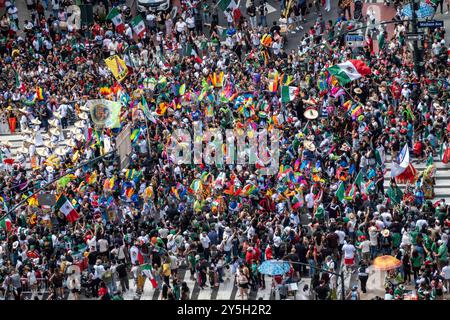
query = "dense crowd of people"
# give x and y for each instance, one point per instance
(158, 216)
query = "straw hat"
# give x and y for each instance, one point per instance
(84, 108)
(53, 122)
(80, 124)
(49, 169)
(49, 144)
(83, 116)
(71, 143)
(7, 144)
(42, 152)
(23, 110)
(60, 151)
(57, 115)
(309, 145)
(385, 233)
(55, 131)
(357, 90)
(35, 121)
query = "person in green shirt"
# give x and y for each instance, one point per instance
(442, 254)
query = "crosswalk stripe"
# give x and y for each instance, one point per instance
(226, 287)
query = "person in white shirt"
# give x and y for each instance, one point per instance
(349, 254)
(205, 241)
(180, 27)
(364, 246)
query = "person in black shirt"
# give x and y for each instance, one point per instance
(251, 12)
(322, 291)
(262, 10)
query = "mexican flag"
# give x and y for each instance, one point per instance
(351, 191)
(359, 179)
(288, 93)
(116, 17)
(297, 201)
(227, 4)
(19, 83)
(138, 25)
(147, 271)
(192, 52)
(348, 71)
(395, 195)
(6, 224)
(65, 206)
(340, 192)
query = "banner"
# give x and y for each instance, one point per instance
(105, 113)
(117, 66)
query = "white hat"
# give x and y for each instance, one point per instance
(49, 144)
(49, 169)
(55, 131)
(53, 122)
(84, 108)
(35, 121)
(42, 152)
(83, 115)
(80, 124)
(22, 150)
(60, 151)
(57, 115)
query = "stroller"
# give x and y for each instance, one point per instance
(357, 14)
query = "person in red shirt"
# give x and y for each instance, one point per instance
(268, 252)
(396, 93)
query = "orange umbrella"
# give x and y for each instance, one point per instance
(385, 263)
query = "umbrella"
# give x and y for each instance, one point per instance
(385, 263)
(274, 267)
(425, 11)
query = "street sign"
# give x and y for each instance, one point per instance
(415, 36)
(354, 40)
(354, 37)
(431, 24)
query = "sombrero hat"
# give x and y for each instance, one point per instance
(309, 145)
(60, 151)
(23, 110)
(84, 108)
(57, 115)
(71, 143)
(42, 152)
(53, 122)
(80, 124)
(49, 169)
(311, 113)
(35, 121)
(357, 90)
(55, 131)
(83, 116)
(49, 144)
(7, 144)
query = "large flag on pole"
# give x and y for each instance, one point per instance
(65, 206)
(5, 223)
(116, 17)
(288, 93)
(340, 192)
(138, 25)
(117, 66)
(402, 162)
(348, 71)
